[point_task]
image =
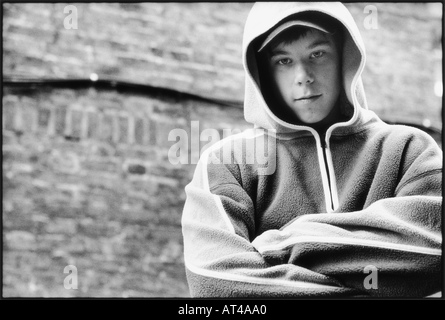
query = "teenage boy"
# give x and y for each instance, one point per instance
(353, 205)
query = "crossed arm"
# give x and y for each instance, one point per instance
(316, 254)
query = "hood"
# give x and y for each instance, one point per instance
(262, 18)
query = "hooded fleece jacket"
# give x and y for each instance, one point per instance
(356, 212)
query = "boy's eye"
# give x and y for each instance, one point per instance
(284, 61)
(317, 54)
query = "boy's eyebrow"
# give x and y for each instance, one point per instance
(322, 42)
(319, 43)
(278, 52)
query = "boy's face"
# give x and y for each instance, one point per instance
(306, 76)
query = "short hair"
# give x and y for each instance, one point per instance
(296, 32)
(293, 34)
(288, 36)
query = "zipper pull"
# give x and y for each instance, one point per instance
(323, 141)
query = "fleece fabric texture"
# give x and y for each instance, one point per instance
(313, 219)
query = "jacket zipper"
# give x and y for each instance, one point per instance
(328, 184)
(324, 147)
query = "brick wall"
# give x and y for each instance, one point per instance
(192, 47)
(403, 60)
(86, 178)
(87, 182)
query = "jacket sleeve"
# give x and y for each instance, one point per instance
(218, 222)
(390, 248)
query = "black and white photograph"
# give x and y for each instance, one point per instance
(184, 150)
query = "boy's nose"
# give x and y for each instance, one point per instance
(303, 75)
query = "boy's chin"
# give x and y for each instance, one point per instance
(313, 120)
(317, 122)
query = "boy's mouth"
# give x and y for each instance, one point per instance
(308, 98)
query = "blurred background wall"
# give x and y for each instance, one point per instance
(86, 115)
